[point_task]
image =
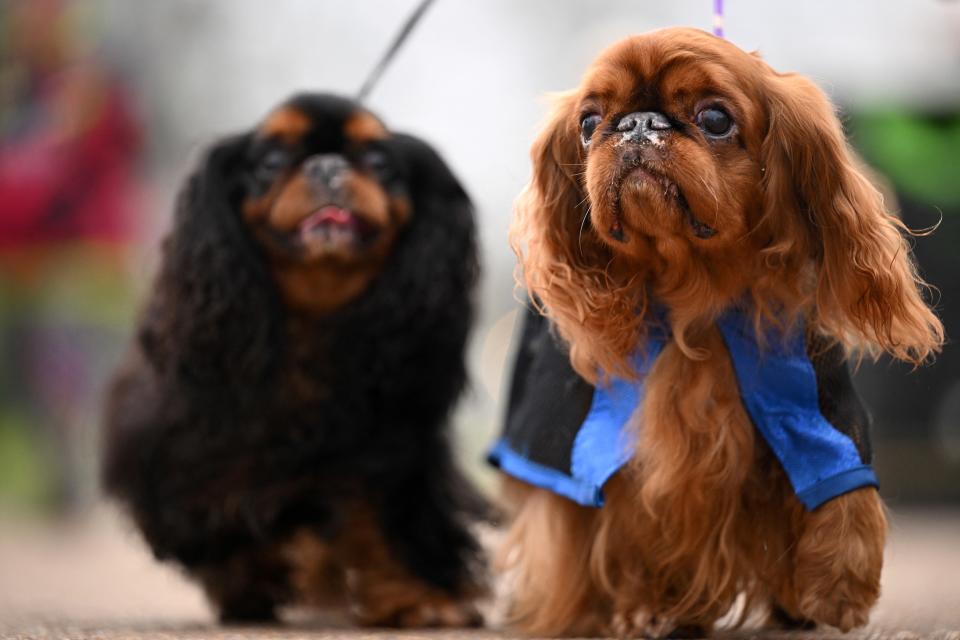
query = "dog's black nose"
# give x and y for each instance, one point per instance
(641, 123)
(326, 170)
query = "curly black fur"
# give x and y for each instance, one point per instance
(237, 422)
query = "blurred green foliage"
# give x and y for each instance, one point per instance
(919, 152)
(72, 309)
(25, 483)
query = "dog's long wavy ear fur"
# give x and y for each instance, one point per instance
(867, 290)
(430, 280)
(429, 287)
(443, 216)
(212, 320)
(564, 265)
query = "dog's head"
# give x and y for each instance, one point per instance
(320, 212)
(326, 194)
(324, 185)
(688, 171)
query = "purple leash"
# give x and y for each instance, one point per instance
(718, 18)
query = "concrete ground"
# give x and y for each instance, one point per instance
(93, 579)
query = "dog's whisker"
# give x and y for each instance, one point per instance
(583, 223)
(716, 198)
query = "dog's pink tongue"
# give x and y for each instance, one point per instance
(332, 214)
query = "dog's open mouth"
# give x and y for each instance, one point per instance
(643, 173)
(334, 226)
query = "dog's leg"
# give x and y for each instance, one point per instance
(778, 574)
(317, 574)
(837, 561)
(247, 587)
(383, 589)
(545, 561)
(675, 512)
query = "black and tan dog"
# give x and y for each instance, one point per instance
(279, 429)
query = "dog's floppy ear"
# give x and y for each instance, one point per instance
(441, 238)
(212, 319)
(429, 279)
(867, 290)
(564, 264)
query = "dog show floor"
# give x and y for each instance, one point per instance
(91, 578)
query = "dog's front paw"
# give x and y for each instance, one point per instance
(446, 613)
(400, 601)
(844, 613)
(433, 612)
(838, 560)
(639, 623)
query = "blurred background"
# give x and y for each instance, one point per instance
(106, 104)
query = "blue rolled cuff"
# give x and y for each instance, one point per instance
(844, 482)
(514, 464)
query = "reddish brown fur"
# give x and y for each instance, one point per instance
(704, 512)
(833, 254)
(702, 515)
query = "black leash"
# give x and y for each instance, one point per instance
(398, 41)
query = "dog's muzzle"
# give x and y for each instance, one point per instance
(326, 174)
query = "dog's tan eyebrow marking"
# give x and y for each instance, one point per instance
(363, 127)
(286, 123)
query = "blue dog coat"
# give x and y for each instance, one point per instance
(564, 435)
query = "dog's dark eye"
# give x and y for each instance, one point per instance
(272, 164)
(588, 124)
(376, 160)
(715, 122)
